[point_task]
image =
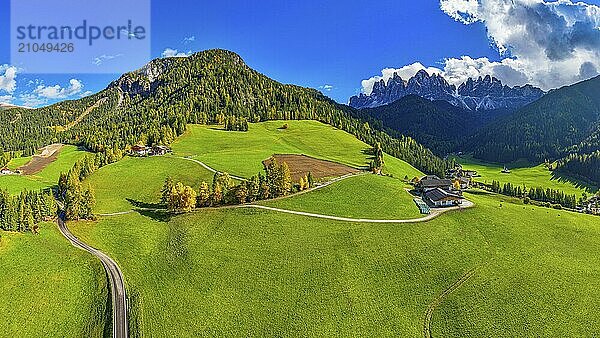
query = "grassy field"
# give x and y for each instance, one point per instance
(537, 176)
(49, 288)
(46, 178)
(365, 196)
(541, 278)
(140, 180)
(260, 273)
(242, 153)
(246, 273)
(18, 162)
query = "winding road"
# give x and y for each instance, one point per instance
(115, 277)
(429, 217)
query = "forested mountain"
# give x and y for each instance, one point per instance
(584, 167)
(438, 125)
(563, 121)
(481, 94)
(153, 105)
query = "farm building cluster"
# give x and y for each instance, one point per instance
(141, 151)
(441, 192)
(591, 206)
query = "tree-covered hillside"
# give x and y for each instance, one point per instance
(563, 121)
(153, 105)
(438, 125)
(584, 167)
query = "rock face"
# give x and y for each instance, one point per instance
(484, 93)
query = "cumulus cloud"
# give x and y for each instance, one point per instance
(102, 58)
(548, 44)
(169, 52)
(553, 43)
(6, 98)
(57, 92)
(32, 100)
(8, 78)
(326, 87)
(189, 39)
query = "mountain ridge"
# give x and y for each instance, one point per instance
(483, 93)
(153, 105)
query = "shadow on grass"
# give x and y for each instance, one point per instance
(157, 215)
(586, 185)
(139, 204)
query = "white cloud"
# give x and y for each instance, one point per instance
(189, 39)
(548, 44)
(8, 78)
(326, 87)
(169, 52)
(102, 58)
(57, 92)
(6, 98)
(551, 43)
(32, 100)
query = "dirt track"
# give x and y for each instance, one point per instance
(48, 155)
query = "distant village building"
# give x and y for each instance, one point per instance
(5, 171)
(159, 150)
(469, 173)
(465, 182)
(505, 170)
(458, 171)
(141, 150)
(441, 198)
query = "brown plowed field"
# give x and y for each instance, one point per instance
(301, 165)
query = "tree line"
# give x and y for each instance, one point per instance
(538, 194)
(23, 212)
(79, 199)
(276, 182)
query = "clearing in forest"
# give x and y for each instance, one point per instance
(38, 162)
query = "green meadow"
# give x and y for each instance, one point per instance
(242, 272)
(46, 178)
(242, 153)
(366, 196)
(49, 288)
(538, 176)
(137, 181)
(540, 277)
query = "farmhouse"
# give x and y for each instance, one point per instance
(432, 182)
(441, 198)
(5, 171)
(159, 150)
(140, 150)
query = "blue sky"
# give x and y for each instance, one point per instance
(308, 43)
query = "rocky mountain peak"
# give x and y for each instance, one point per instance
(482, 93)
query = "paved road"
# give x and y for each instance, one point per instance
(115, 277)
(434, 213)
